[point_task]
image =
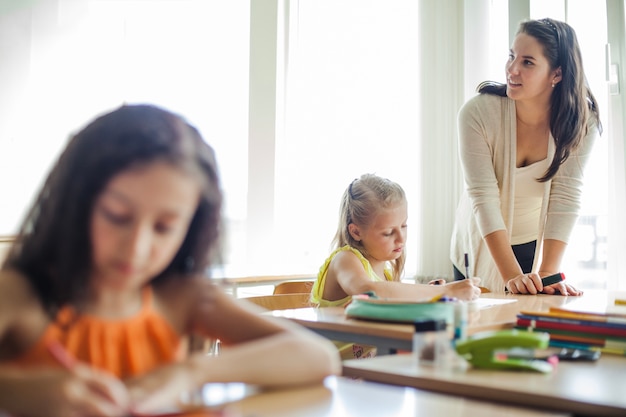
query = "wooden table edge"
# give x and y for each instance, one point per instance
(504, 396)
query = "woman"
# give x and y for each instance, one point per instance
(523, 146)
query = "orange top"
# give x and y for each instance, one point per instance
(124, 348)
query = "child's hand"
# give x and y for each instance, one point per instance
(81, 391)
(161, 388)
(465, 289)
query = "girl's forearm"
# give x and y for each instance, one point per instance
(387, 289)
(287, 358)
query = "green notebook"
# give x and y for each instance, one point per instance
(370, 307)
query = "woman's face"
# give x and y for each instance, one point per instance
(528, 73)
(139, 222)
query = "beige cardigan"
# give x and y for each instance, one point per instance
(487, 137)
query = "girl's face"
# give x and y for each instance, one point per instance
(528, 71)
(139, 222)
(384, 238)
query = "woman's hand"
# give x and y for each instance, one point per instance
(531, 284)
(525, 284)
(465, 289)
(560, 288)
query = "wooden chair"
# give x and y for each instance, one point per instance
(281, 301)
(269, 302)
(291, 287)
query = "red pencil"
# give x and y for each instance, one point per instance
(61, 355)
(69, 362)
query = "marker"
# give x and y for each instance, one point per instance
(467, 275)
(553, 279)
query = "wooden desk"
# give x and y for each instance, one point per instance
(332, 323)
(235, 282)
(591, 389)
(346, 397)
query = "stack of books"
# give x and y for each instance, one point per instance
(582, 324)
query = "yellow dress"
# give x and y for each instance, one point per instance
(347, 350)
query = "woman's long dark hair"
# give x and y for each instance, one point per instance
(572, 103)
(53, 248)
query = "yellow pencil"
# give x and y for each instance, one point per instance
(436, 298)
(620, 302)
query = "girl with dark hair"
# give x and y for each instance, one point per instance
(523, 147)
(109, 269)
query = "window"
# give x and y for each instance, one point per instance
(586, 259)
(351, 108)
(76, 59)
(348, 90)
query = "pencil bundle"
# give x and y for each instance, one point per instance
(575, 326)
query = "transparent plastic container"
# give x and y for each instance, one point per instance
(431, 342)
(460, 320)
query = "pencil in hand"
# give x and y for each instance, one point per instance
(107, 387)
(61, 355)
(467, 275)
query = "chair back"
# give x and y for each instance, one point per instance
(291, 287)
(281, 301)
